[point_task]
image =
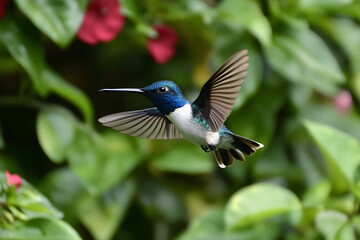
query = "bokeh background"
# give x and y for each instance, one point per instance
(301, 99)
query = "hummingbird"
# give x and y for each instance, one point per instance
(200, 122)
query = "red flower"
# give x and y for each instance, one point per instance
(3, 4)
(13, 179)
(102, 22)
(343, 101)
(162, 48)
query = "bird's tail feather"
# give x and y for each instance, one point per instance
(245, 145)
(242, 145)
(223, 157)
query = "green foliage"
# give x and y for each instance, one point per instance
(334, 225)
(67, 91)
(55, 130)
(184, 159)
(99, 184)
(102, 215)
(25, 47)
(247, 206)
(312, 62)
(251, 18)
(341, 151)
(40, 228)
(27, 214)
(59, 20)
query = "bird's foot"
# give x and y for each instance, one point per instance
(212, 148)
(206, 149)
(209, 148)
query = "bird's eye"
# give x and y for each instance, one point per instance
(162, 89)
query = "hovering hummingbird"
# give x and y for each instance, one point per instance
(200, 122)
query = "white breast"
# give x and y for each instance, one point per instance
(183, 120)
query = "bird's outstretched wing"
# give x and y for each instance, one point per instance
(145, 123)
(219, 93)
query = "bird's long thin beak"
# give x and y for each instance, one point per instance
(135, 90)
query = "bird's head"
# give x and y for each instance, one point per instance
(165, 95)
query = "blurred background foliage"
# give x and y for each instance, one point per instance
(301, 99)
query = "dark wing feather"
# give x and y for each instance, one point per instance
(146, 123)
(219, 93)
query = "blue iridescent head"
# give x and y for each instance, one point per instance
(165, 95)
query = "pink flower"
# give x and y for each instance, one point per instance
(3, 4)
(343, 101)
(162, 48)
(13, 179)
(102, 22)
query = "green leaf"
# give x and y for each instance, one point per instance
(352, 9)
(246, 13)
(187, 159)
(303, 57)
(121, 157)
(40, 229)
(325, 113)
(315, 7)
(346, 33)
(252, 205)
(130, 9)
(62, 136)
(103, 215)
(59, 20)
(64, 190)
(334, 225)
(356, 185)
(206, 226)
(55, 131)
(317, 194)
(345, 203)
(195, 11)
(24, 44)
(102, 161)
(321, 8)
(356, 223)
(69, 92)
(341, 151)
(84, 158)
(210, 226)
